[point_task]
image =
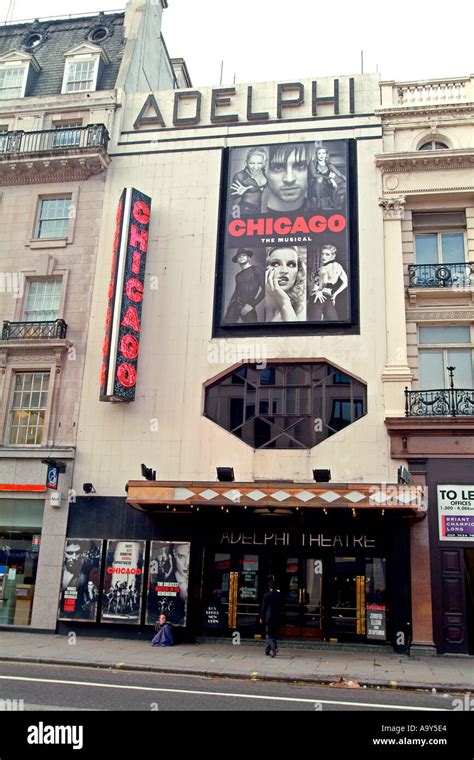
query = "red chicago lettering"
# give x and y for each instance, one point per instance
(136, 261)
(134, 289)
(141, 212)
(237, 227)
(131, 319)
(129, 347)
(138, 238)
(282, 225)
(126, 375)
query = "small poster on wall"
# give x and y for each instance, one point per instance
(122, 590)
(80, 582)
(168, 582)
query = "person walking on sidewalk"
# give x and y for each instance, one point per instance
(270, 617)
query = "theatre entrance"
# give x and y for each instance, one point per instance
(325, 596)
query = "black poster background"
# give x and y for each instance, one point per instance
(80, 581)
(302, 206)
(168, 582)
(122, 589)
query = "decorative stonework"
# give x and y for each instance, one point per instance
(426, 160)
(434, 316)
(393, 208)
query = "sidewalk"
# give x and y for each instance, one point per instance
(386, 670)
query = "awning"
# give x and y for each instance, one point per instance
(147, 495)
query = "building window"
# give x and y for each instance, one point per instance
(285, 406)
(439, 238)
(53, 220)
(81, 75)
(28, 409)
(442, 347)
(12, 82)
(434, 145)
(3, 138)
(42, 303)
(67, 134)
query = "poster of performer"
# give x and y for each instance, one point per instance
(80, 581)
(285, 253)
(168, 582)
(122, 591)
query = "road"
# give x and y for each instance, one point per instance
(51, 687)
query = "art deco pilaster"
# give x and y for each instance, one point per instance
(396, 374)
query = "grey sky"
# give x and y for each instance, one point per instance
(281, 40)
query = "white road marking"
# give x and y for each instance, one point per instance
(230, 695)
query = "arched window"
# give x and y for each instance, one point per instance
(434, 145)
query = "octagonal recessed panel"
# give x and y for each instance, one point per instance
(285, 405)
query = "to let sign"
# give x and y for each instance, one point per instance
(125, 296)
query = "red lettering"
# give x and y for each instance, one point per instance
(255, 226)
(282, 225)
(134, 290)
(138, 238)
(126, 375)
(336, 223)
(131, 319)
(129, 347)
(141, 212)
(237, 227)
(317, 223)
(136, 261)
(300, 225)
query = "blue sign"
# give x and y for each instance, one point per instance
(52, 477)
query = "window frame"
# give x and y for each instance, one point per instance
(29, 409)
(14, 367)
(445, 348)
(37, 278)
(72, 61)
(45, 199)
(25, 65)
(439, 244)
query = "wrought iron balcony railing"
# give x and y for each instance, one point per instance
(53, 140)
(34, 330)
(441, 275)
(443, 402)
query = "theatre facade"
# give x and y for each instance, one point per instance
(239, 321)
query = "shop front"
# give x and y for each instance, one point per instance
(343, 570)
(20, 540)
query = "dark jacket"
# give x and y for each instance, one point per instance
(271, 607)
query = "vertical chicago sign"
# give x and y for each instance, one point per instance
(125, 296)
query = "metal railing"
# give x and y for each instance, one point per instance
(53, 140)
(35, 330)
(442, 402)
(441, 275)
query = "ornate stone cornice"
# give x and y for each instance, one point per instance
(426, 160)
(403, 112)
(421, 315)
(393, 208)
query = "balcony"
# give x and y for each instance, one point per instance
(443, 402)
(432, 92)
(456, 276)
(56, 329)
(53, 155)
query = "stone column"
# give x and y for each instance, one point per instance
(396, 374)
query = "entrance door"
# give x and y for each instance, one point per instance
(233, 582)
(356, 599)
